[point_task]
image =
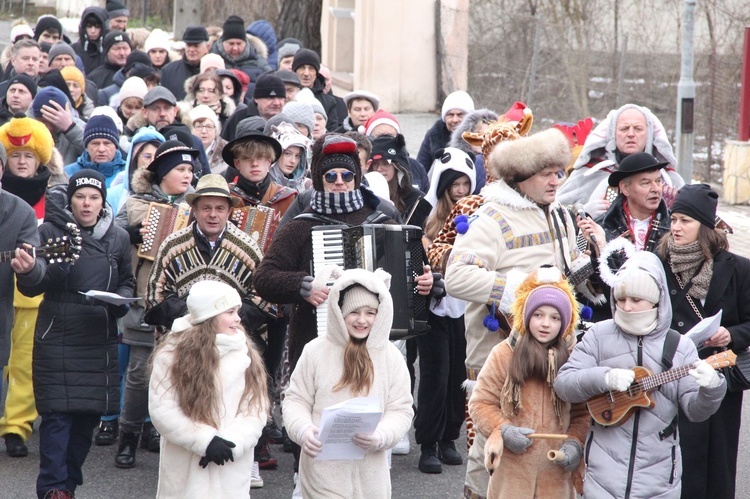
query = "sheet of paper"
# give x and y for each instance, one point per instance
(108, 297)
(704, 330)
(339, 423)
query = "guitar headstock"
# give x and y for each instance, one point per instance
(727, 358)
(63, 248)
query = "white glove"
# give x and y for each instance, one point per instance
(619, 379)
(596, 208)
(309, 442)
(705, 375)
(369, 442)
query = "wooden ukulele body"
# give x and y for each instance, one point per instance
(613, 408)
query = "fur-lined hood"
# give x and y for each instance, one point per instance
(56, 168)
(467, 125)
(517, 160)
(142, 181)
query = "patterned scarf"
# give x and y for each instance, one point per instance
(335, 203)
(687, 261)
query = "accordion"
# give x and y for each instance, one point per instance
(163, 219)
(397, 249)
(258, 222)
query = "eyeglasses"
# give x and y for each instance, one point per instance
(331, 177)
(204, 126)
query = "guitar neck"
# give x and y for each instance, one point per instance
(6, 256)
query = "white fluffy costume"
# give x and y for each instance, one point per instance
(311, 390)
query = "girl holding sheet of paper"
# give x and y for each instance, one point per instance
(354, 359)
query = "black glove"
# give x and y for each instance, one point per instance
(118, 311)
(134, 231)
(438, 285)
(219, 451)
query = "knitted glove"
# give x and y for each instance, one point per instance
(619, 380)
(309, 442)
(306, 288)
(371, 442)
(705, 375)
(134, 231)
(438, 285)
(218, 451)
(515, 439)
(573, 452)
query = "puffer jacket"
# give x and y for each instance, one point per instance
(75, 342)
(632, 460)
(264, 31)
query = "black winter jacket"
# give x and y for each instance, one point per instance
(91, 53)
(435, 139)
(174, 74)
(75, 341)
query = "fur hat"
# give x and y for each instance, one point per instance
(517, 160)
(457, 100)
(301, 114)
(356, 297)
(29, 134)
(380, 117)
(545, 286)
(100, 127)
(205, 300)
(336, 151)
(697, 201)
(87, 178)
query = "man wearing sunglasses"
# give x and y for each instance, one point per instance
(284, 274)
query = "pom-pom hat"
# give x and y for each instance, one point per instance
(545, 286)
(28, 134)
(380, 117)
(337, 152)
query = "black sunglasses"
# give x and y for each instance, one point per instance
(331, 177)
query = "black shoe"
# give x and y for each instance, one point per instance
(273, 433)
(125, 457)
(429, 461)
(448, 454)
(14, 446)
(107, 434)
(150, 438)
(286, 440)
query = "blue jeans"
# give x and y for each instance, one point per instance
(64, 443)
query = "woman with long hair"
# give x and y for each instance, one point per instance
(705, 278)
(208, 398)
(207, 89)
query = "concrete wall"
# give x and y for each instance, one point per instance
(385, 46)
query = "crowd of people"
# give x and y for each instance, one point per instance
(557, 261)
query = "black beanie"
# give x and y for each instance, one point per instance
(169, 155)
(306, 56)
(116, 9)
(87, 178)
(47, 22)
(24, 80)
(136, 56)
(697, 201)
(54, 78)
(269, 85)
(179, 133)
(234, 28)
(115, 37)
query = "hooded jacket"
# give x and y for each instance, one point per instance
(263, 30)
(467, 125)
(436, 138)
(75, 341)
(91, 52)
(311, 390)
(632, 460)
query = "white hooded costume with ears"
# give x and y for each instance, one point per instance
(311, 390)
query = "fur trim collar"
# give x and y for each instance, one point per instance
(521, 158)
(501, 193)
(259, 45)
(141, 181)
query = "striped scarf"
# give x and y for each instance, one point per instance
(335, 203)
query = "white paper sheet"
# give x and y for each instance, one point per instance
(339, 423)
(704, 330)
(108, 297)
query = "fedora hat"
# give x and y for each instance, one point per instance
(635, 163)
(212, 185)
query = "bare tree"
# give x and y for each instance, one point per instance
(301, 20)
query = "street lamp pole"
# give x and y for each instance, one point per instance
(686, 96)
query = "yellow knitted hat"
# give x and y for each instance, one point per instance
(29, 134)
(545, 286)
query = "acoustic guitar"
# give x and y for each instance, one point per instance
(614, 408)
(60, 249)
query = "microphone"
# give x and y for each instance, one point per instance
(580, 211)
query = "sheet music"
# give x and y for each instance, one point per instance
(339, 423)
(112, 298)
(704, 330)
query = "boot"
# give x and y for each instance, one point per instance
(107, 434)
(429, 461)
(125, 457)
(14, 445)
(448, 454)
(150, 438)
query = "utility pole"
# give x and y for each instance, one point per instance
(186, 13)
(686, 96)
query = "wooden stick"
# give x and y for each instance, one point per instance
(549, 436)
(556, 456)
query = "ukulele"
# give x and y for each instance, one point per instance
(60, 249)
(613, 408)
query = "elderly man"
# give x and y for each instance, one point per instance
(102, 143)
(455, 107)
(627, 130)
(269, 97)
(307, 66)
(17, 99)
(118, 15)
(24, 59)
(117, 48)
(237, 53)
(174, 74)
(518, 228)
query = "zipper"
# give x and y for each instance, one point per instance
(106, 350)
(674, 466)
(588, 448)
(49, 327)
(636, 420)
(109, 279)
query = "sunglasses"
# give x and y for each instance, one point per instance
(331, 177)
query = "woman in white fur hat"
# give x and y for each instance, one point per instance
(210, 406)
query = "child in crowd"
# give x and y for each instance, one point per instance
(293, 166)
(208, 398)
(641, 457)
(513, 396)
(353, 359)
